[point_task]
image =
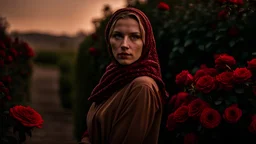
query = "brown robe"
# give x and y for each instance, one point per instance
(131, 115)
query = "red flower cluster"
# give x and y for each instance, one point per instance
(210, 90)
(15, 65)
(163, 6)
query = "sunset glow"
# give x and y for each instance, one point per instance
(54, 16)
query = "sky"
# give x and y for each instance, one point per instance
(54, 16)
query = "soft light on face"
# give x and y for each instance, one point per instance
(126, 41)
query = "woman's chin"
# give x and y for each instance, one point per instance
(125, 62)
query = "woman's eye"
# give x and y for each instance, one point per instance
(135, 37)
(117, 36)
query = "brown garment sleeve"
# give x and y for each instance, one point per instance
(134, 121)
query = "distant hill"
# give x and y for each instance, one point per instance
(43, 41)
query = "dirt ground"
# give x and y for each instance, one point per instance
(58, 122)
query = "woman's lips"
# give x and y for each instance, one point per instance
(123, 55)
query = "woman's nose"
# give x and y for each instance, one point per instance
(124, 44)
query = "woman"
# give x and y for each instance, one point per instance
(128, 101)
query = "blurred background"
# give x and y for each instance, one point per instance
(70, 55)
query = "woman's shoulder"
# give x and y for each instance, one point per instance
(144, 81)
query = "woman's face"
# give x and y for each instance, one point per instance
(126, 41)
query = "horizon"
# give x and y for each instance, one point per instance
(55, 17)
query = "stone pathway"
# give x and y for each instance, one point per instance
(58, 124)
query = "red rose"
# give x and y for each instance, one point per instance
(225, 80)
(239, 2)
(7, 79)
(232, 114)
(13, 52)
(252, 126)
(233, 31)
(27, 51)
(184, 78)
(5, 90)
(1, 63)
(199, 73)
(210, 118)
(8, 97)
(190, 138)
(171, 124)
(222, 60)
(252, 64)
(203, 66)
(181, 114)
(2, 53)
(216, 56)
(254, 90)
(93, 51)
(222, 1)
(222, 14)
(8, 59)
(242, 75)
(27, 116)
(163, 6)
(2, 46)
(206, 84)
(177, 100)
(211, 71)
(196, 107)
(205, 71)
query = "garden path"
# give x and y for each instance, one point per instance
(58, 122)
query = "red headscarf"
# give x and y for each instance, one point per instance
(117, 76)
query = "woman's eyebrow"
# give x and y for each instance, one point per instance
(117, 32)
(133, 33)
(137, 33)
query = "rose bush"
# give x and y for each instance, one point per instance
(15, 72)
(187, 34)
(216, 108)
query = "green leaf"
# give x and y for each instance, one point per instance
(160, 33)
(1, 95)
(239, 90)
(218, 102)
(181, 50)
(218, 37)
(188, 42)
(231, 99)
(193, 71)
(201, 47)
(240, 40)
(185, 27)
(232, 43)
(199, 128)
(208, 45)
(202, 29)
(175, 49)
(191, 30)
(172, 55)
(176, 41)
(222, 30)
(209, 34)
